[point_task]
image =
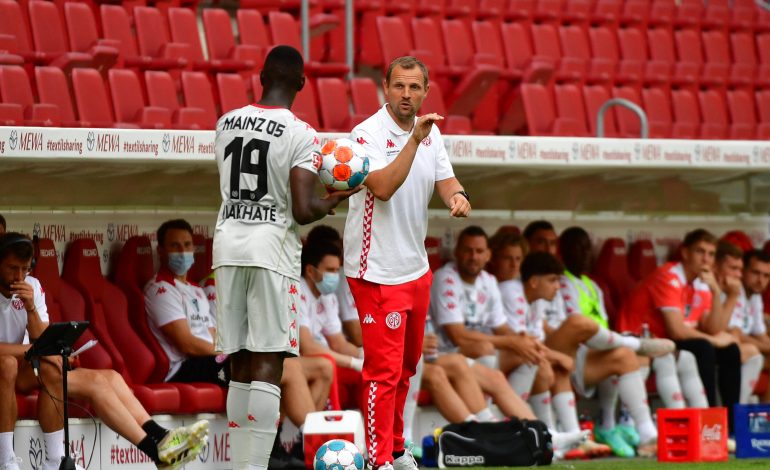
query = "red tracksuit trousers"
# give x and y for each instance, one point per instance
(392, 324)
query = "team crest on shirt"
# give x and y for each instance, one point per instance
(427, 141)
(393, 320)
(18, 304)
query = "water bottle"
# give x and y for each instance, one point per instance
(431, 355)
(645, 330)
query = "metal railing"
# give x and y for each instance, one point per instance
(643, 124)
(349, 32)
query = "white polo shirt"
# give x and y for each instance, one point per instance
(166, 300)
(478, 306)
(319, 314)
(385, 241)
(13, 315)
(522, 318)
(348, 309)
(748, 314)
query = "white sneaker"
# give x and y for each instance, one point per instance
(12, 464)
(565, 441)
(406, 461)
(655, 347)
(385, 466)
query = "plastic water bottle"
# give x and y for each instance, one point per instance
(645, 330)
(432, 355)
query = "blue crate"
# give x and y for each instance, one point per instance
(752, 431)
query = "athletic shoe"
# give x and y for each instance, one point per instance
(655, 347)
(180, 441)
(614, 438)
(629, 434)
(649, 449)
(185, 457)
(574, 454)
(565, 444)
(12, 464)
(406, 461)
(416, 450)
(594, 449)
(385, 466)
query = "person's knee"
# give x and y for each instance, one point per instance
(326, 370)
(434, 378)
(580, 326)
(113, 378)
(479, 349)
(545, 374)
(750, 350)
(624, 360)
(8, 370)
(686, 364)
(455, 366)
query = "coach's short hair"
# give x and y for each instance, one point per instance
(698, 235)
(536, 225)
(760, 255)
(174, 224)
(540, 263)
(725, 249)
(408, 62)
(17, 244)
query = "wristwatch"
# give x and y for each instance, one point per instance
(464, 194)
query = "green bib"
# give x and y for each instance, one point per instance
(588, 301)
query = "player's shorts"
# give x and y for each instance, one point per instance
(578, 375)
(256, 310)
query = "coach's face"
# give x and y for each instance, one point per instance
(405, 93)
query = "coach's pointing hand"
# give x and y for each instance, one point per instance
(424, 125)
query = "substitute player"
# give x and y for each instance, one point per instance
(385, 259)
(267, 180)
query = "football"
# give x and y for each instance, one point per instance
(338, 454)
(342, 164)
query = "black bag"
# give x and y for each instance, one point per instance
(514, 443)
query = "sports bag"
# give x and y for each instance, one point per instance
(514, 443)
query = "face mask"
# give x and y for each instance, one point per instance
(328, 284)
(180, 263)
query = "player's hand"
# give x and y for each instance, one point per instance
(561, 360)
(24, 291)
(722, 339)
(424, 125)
(526, 347)
(732, 286)
(430, 345)
(336, 197)
(708, 277)
(459, 206)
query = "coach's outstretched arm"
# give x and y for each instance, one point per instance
(306, 207)
(383, 183)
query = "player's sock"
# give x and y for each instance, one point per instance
(471, 418)
(149, 446)
(54, 445)
(605, 339)
(522, 378)
(750, 371)
(541, 406)
(608, 399)
(689, 378)
(566, 413)
(485, 415)
(634, 395)
(237, 417)
(667, 381)
(6, 447)
(410, 406)
(487, 361)
(289, 434)
(154, 430)
(263, 414)
(644, 371)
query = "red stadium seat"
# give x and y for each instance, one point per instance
(198, 94)
(469, 83)
(576, 48)
(688, 14)
(305, 105)
(487, 38)
(627, 121)
(363, 92)
(64, 303)
(570, 108)
(232, 92)
(611, 267)
(15, 90)
(395, 40)
(285, 30)
(604, 45)
(686, 111)
(133, 270)
(335, 105)
(717, 49)
(662, 13)
(545, 39)
(641, 259)
(94, 106)
(745, 59)
(50, 38)
(11, 115)
(433, 248)
(542, 119)
(130, 106)
(107, 310)
(633, 47)
(763, 104)
(452, 124)
(252, 30)
(690, 51)
(742, 114)
(635, 13)
(161, 92)
(84, 36)
(155, 40)
(221, 41)
(684, 71)
(595, 96)
(763, 50)
(519, 10)
(117, 27)
(199, 269)
(657, 105)
(14, 27)
(53, 89)
(714, 114)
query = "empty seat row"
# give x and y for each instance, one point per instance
(572, 110)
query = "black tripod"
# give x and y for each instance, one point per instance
(57, 340)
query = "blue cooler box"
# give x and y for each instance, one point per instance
(752, 431)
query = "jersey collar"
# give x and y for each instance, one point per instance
(390, 124)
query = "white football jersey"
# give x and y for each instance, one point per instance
(478, 306)
(748, 314)
(348, 310)
(256, 147)
(13, 324)
(320, 314)
(522, 318)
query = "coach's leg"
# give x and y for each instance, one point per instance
(706, 357)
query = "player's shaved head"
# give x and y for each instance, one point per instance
(284, 69)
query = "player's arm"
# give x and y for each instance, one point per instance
(718, 317)
(337, 342)
(306, 206)
(15, 350)
(383, 183)
(352, 329)
(178, 333)
(762, 342)
(26, 293)
(678, 331)
(308, 346)
(449, 191)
